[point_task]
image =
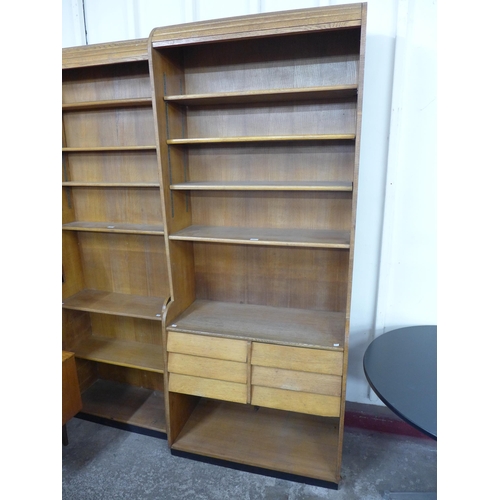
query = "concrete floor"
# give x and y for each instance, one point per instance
(103, 462)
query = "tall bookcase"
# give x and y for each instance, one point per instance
(115, 282)
(258, 136)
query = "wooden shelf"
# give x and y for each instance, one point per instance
(111, 227)
(271, 138)
(263, 186)
(292, 443)
(109, 104)
(312, 238)
(121, 353)
(134, 306)
(126, 404)
(105, 149)
(265, 95)
(112, 184)
(298, 327)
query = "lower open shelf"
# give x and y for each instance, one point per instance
(287, 442)
(125, 404)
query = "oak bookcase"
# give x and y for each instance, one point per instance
(258, 123)
(115, 274)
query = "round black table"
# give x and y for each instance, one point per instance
(401, 368)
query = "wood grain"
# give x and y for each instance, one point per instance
(297, 358)
(251, 322)
(288, 442)
(302, 402)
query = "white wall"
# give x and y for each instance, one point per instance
(395, 255)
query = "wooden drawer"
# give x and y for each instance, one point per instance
(208, 347)
(302, 402)
(230, 371)
(210, 367)
(208, 388)
(298, 358)
(315, 383)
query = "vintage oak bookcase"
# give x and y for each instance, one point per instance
(115, 275)
(258, 138)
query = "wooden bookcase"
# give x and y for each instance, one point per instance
(115, 275)
(258, 135)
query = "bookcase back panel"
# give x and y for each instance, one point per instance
(76, 325)
(318, 161)
(272, 276)
(130, 205)
(291, 61)
(102, 83)
(134, 264)
(109, 127)
(273, 209)
(131, 377)
(125, 328)
(284, 118)
(111, 167)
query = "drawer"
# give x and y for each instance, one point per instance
(298, 358)
(230, 371)
(209, 388)
(208, 347)
(302, 402)
(315, 383)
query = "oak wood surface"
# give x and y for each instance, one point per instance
(258, 25)
(275, 95)
(263, 186)
(207, 387)
(256, 115)
(105, 53)
(294, 443)
(282, 277)
(297, 358)
(114, 232)
(302, 402)
(315, 238)
(128, 166)
(120, 352)
(260, 138)
(198, 366)
(293, 380)
(107, 227)
(71, 399)
(98, 301)
(210, 347)
(126, 403)
(255, 322)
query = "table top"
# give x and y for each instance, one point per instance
(401, 368)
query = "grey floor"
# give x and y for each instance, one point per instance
(103, 462)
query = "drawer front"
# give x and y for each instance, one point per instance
(209, 388)
(315, 383)
(298, 358)
(230, 371)
(302, 402)
(208, 347)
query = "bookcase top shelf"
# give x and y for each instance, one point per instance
(105, 53)
(259, 25)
